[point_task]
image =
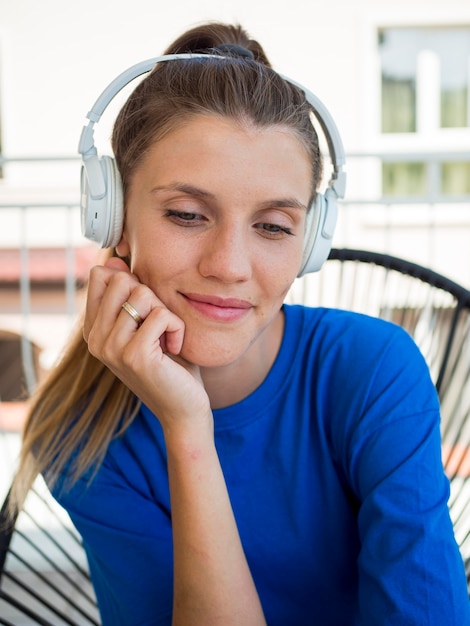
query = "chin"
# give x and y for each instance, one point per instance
(198, 353)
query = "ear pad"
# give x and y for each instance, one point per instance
(319, 230)
(102, 211)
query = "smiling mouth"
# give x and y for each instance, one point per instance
(219, 309)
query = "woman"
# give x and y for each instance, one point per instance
(229, 459)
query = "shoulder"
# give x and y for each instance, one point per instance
(356, 365)
(347, 334)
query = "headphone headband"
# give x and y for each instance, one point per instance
(335, 146)
(102, 210)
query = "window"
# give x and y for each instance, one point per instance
(398, 66)
(408, 179)
(400, 51)
(425, 85)
(454, 53)
(455, 177)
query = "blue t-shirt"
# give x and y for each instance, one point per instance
(333, 466)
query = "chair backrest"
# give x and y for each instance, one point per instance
(44, 575)
(436, 313)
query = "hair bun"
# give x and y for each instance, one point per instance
(219, 38)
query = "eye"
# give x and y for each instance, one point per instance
(184, 217)
(275, 231)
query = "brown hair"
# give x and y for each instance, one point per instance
(247, 90)
(81, 403)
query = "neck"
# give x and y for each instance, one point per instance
(232, 383)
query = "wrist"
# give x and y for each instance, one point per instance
(190, 438)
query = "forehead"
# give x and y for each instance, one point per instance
(222, 149)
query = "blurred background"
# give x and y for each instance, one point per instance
(394, 75)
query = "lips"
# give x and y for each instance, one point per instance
(217, 308)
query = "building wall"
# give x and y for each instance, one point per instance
(56, 57)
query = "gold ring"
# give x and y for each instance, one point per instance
(128, 308)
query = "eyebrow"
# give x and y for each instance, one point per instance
(197, 192)
(191, 190)
(281, 203)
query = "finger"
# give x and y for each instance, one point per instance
(109, 327)
(159, 326)
(115, 326)
(168, 327)
(132, 311)
(116, 263)
(131, 348)
(122, 288)
(101, 278)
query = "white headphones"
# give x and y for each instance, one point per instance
(102, 211)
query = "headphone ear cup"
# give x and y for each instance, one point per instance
(101, 205)
(319, 229)
(115, 204)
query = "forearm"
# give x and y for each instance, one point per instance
(212, 580)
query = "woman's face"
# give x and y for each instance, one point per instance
(214, 225)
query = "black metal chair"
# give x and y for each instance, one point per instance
(44, 576)
(43, 571)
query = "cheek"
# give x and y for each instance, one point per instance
(283, 269)
(277, 281)
(150, 269)
(153, 255)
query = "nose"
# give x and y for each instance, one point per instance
(226, 255)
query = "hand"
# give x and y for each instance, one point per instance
(146, 357)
